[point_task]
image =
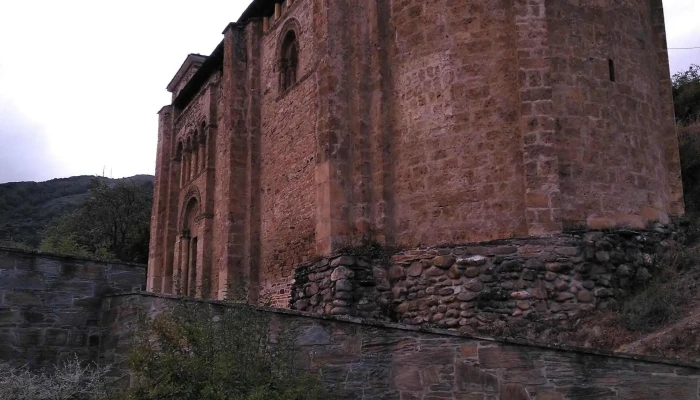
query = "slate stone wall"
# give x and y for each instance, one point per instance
(373, 360)
(536, 288)
(50, 305)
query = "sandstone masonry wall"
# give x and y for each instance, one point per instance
(611, 120)
(536, 288)
(392, 362)
(50, 306)
(287, 154)
(456, 147)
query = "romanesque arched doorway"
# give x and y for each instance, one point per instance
(189, 254)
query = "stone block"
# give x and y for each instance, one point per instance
(77, 338)
(585, 296)
(29, 337)
(55, 337)
(549, 395)
(71, 318)
(90, 303)
(474, 285)
(343, 285)
(415, 270)
(434, 271)
(474, 261)
(312, 289)
(341, 272)
(470, 378)
(396, 272)
(347, 261)
(314, 335)
(340, 311)
(467, 296)
(472, 272)
(88, 270)
(406, 377)
(454, 272)
(22, 298)
(513, 392)
(443, 262)
(32, 316)
(10, 316)
(24, 281)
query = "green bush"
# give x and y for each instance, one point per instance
(686, 95)
(195, 353)
(71, 380)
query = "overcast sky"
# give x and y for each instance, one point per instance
(81, 80)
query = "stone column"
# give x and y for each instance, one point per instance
(251, 262)
(182, 170)
(185, 167)
(203, 153)
(278, 11)
(195, 160)
(194, 280)
(177, 275)
(185, 265)
(230, 163)
(161, 191)
(332, 130)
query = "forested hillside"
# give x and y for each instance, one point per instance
(28, 208)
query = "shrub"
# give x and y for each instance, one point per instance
(658, 304)
(71, 380)
(689, 147)
(686, 94)
(195, 352)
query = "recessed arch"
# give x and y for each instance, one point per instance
(195, 139)
(288, 55)
(191, 208)
(178, 151)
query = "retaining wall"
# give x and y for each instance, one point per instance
(536, 288)
(50, 305)
(377, 360)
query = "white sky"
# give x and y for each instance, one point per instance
(81, 81)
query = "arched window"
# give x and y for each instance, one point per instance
(178, 151)
(289, 61)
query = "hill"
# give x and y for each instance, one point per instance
(26, 208)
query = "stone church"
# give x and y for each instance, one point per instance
(316, 124)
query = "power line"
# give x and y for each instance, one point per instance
(683, 48)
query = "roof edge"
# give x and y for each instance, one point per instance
(210, 64)
(190, 60)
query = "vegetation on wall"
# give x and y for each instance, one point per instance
(111, 224)
(195, 353)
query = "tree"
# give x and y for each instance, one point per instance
(112, 224)
(686, 95)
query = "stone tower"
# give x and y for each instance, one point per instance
(316, 123)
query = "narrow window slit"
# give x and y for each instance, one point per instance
(611, 68)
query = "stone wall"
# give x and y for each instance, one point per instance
(536, 287)
(387, 361)
(600, 54)
(286, 197)
(50, 305)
